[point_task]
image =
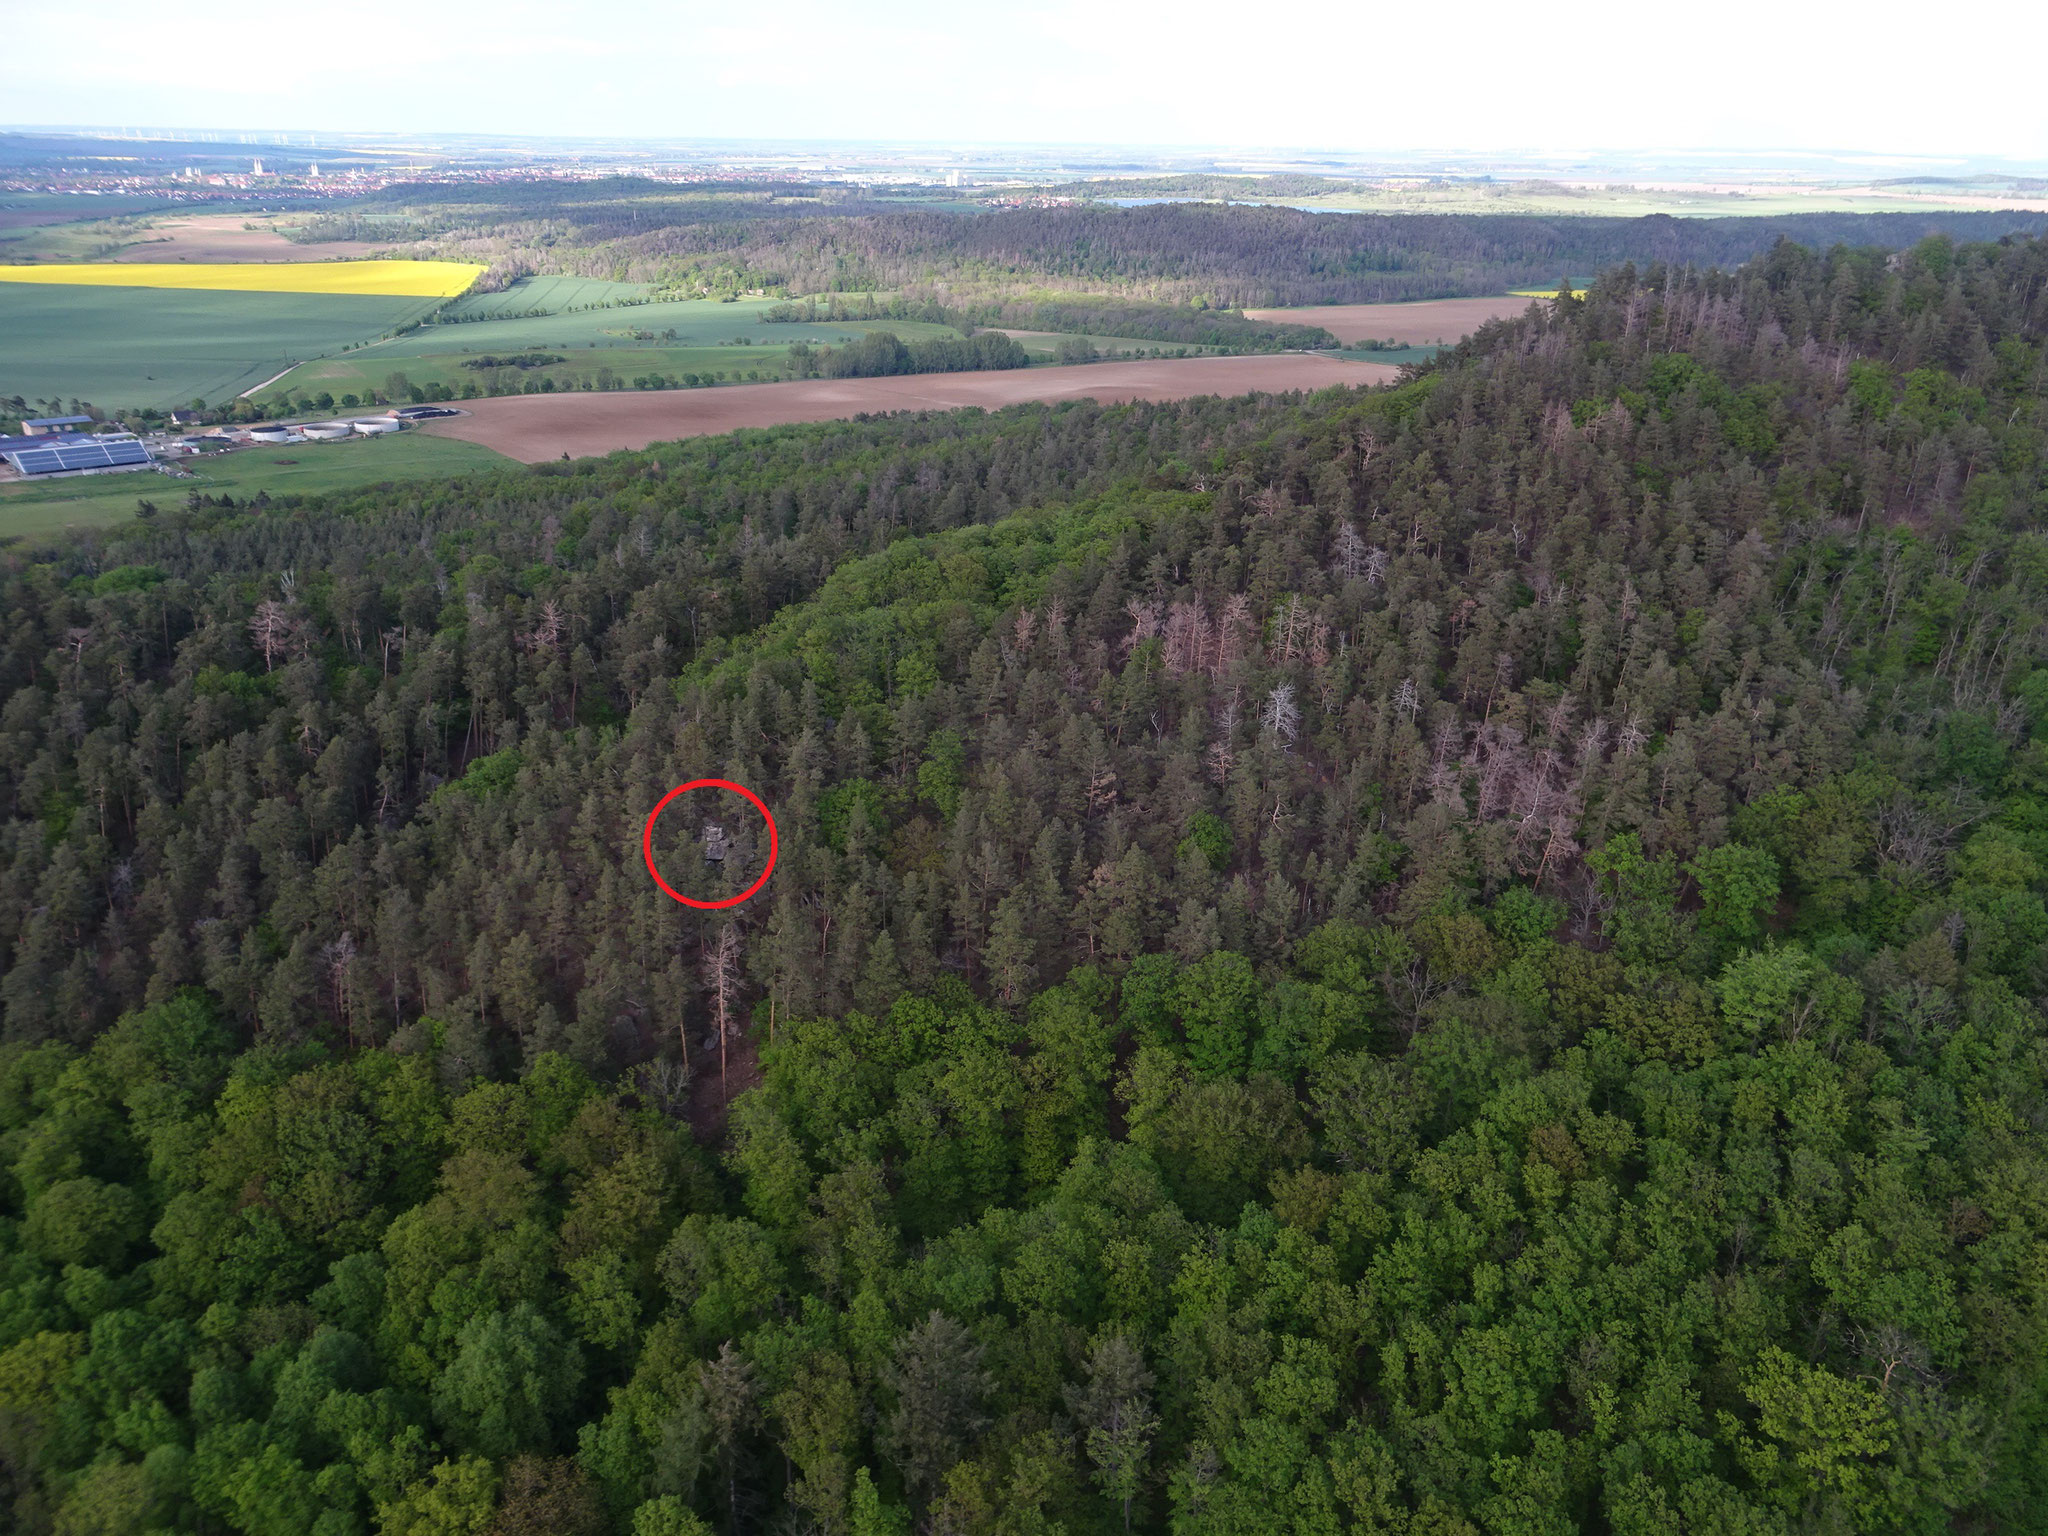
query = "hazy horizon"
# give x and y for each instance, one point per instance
(1364, 81)
(1040, 157)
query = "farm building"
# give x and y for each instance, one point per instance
(81, 455)
(43, 426)
(45, 440)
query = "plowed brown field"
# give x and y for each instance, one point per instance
(1418, 324)
(537, 427)
(221, 237)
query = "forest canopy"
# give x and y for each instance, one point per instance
(1459, 958)
(829, 240)
(878, 354)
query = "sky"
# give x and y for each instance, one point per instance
(1361, 77)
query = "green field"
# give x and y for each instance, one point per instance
(369, 369)
(126, 347)
(79, 205)
(553, 294)
(696, 322)
(81, 240)
(1393, 356)
(87, 227)
(361, 373)
(627, 340)
(30, 510)
(1044, 346)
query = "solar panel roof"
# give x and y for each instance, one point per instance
(44, 461)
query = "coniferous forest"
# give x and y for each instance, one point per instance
(1464, 958)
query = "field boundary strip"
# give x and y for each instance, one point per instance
(375, 279)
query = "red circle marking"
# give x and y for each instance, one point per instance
(647, 842)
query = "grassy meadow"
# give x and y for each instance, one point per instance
(601, 329)
(80, 240)
(505, 319)
(51, 208)
(30, 510)
(370, 370)
(607, 333)
(551, 294)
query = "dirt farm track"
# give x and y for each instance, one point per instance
(537, 427)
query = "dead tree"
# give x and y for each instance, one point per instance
(271, 628)
(722, 981)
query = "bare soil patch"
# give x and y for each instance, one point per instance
(538, 427)
(221, 237)
(1418, 324)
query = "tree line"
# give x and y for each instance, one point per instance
(880, 353)
(1172, 254)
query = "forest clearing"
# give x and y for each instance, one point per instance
(537, 427)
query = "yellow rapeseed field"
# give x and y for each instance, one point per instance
(386, 279)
